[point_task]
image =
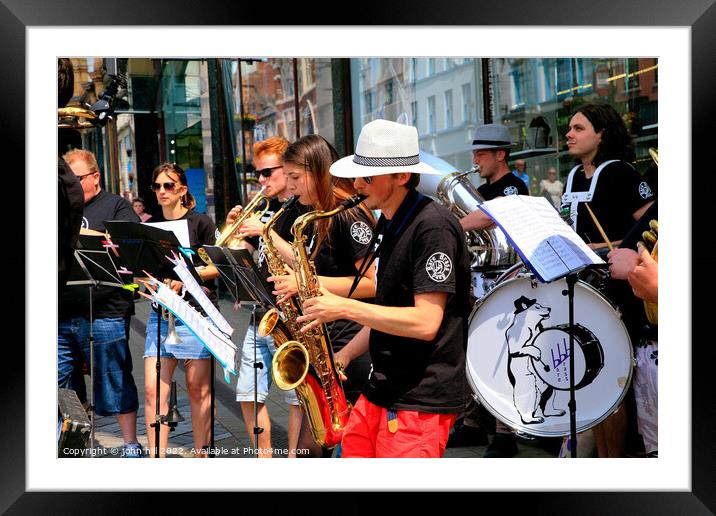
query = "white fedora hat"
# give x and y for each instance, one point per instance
(383, 147)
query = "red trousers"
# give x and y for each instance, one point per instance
(411, 433)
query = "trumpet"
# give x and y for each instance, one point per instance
(172, 336)
(228, 238)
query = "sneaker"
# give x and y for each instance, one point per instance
(132, 451)
(502, 446)
(464, 435)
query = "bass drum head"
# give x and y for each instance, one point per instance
(518, 348)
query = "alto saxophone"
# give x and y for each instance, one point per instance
(281, 329)
(308, 366)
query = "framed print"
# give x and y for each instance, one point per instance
(679, 36)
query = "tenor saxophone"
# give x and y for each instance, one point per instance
(308, 366)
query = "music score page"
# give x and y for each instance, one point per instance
(547, 245)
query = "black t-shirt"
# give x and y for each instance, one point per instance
(347, 242)
(430, 255)
(202, 231)
(620, 292)
(106, 301)
(619, 193)
(509, 184)
(634, 235)
(282, 227)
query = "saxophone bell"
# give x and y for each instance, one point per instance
(290, 365)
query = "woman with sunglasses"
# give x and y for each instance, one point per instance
(337, 245)
(170, 186)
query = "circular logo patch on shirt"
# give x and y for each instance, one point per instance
(510, 190)
(361, 232)
(438, 267)
(644, 190)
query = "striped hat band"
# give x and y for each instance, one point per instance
(387, 161)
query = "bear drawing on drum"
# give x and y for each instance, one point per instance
(530, 393)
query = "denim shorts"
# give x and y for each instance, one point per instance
(189, 348)
(114, 389)
(264, 353)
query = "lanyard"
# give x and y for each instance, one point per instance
(389, 230)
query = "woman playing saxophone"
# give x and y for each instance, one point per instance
(337, 246)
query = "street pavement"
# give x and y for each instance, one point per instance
(230, 435)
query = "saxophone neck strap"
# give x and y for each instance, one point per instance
(390, 230)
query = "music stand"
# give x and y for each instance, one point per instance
(245, 283)
(147, 248)
(93, 266)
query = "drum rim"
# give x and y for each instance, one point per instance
(479, 302)
(529, 430)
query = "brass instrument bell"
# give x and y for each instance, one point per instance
(173, 416)
(172, 336)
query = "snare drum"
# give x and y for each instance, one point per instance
(518, 354)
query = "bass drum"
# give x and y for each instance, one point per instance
(518, 354)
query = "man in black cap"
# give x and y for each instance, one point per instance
(491, 150)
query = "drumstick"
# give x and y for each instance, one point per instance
(599, 227)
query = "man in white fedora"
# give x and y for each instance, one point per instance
(490, 151)
(416, 330)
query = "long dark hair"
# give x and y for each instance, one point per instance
(316, 155)
(615, 140)
(187, 199)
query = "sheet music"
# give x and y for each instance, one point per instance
(549, 246)
(180, 228)
(197, 291)
(215, 341)
(95, 260)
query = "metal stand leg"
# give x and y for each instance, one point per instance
(157, 415)
(91, 368)
(571, 280)
(257, 366)
(212, 451)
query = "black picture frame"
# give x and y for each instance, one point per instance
(700, 16)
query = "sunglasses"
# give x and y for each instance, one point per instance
(85, 175)
(168, 187)
(366, 179)
(266, 172)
